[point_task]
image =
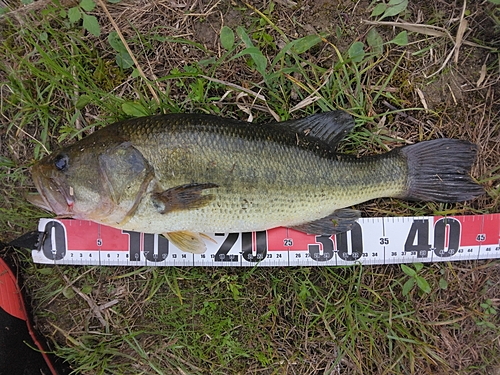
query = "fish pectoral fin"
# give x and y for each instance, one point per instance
(338, 222)
(330, 127)
(183, 197)
(188, 241)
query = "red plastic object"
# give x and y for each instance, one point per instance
(11, 301)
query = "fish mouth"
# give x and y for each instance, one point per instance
(52, 195)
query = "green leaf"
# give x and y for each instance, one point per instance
(87, 5)
(356, 52)
(490, 325)
(87, 289)
(260, 62)
(409, 271)
(443, 284)
(375, 41)
(227, 38)
(6, 162)
(408, 286)
(68, 293)
(65, 130)
(74, 14)
(27, 2)
(114, 1)
(124, 61)
(91, 25)
(418, 266)
(283, 51)
(379, 9)
(134, 109)
(496, 2)
(394, 7)
(82, 101)
(306, 43)
(423, 284)
(43, 36)
(135, 73)
(304, 292)
(401, 39)
(115, 42)
(235, 289)
(45, 271)
(242, 34)
(207, 62)
(258, 58)
(267, 40)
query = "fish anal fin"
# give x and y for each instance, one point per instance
(183, 197)
(187, 241)
(339, 221)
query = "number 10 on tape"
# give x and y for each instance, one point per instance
(389, 240)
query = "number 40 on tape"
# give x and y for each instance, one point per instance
(389, 240)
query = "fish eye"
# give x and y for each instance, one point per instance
(61, 162)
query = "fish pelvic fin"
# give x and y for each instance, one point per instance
(329, 127)
(187, 241)
(183, 197)
(338, 222)
(439, 170)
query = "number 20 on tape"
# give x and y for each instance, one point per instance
(371, 241)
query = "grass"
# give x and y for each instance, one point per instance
(58, 83)
(235, 321)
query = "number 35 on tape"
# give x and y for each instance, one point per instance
(389, 240)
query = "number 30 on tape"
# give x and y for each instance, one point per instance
(389, 240)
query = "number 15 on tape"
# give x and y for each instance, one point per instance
(390, 240)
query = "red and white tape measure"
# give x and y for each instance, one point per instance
(388, 240)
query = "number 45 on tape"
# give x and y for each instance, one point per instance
(389, 240)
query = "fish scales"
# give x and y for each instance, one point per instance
(265, 175)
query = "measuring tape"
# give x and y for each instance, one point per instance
(388, 240)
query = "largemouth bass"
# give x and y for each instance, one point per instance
(185, 174)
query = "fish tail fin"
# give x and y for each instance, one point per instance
(439, 170)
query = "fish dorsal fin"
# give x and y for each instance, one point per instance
(330, 127)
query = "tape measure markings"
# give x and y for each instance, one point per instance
(391, 240)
